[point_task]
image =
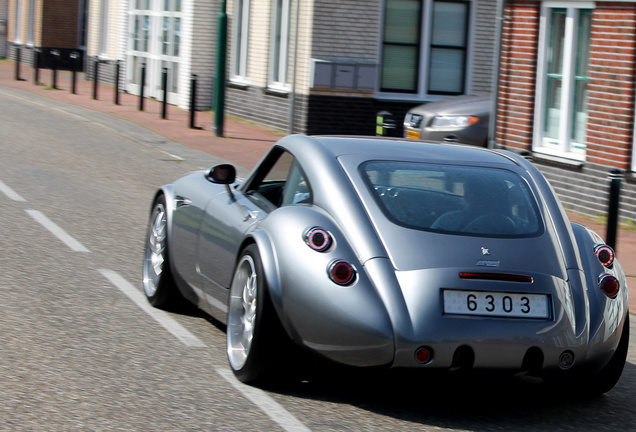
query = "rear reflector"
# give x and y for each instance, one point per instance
(424, 355)
(496, 276)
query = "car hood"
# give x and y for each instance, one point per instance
(461, 105)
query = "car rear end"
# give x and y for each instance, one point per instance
(490, 292)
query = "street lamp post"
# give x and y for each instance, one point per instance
(219, 82)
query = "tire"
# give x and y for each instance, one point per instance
(605, 379)
(159, 286)
(252, 329)
(592, 385)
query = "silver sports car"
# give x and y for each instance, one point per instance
(391, 253)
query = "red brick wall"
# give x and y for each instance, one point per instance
(611, 88)
(60, 23)
(611, 85)
(520, 35)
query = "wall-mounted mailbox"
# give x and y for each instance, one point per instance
(343, 75)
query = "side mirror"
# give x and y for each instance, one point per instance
(222, 174)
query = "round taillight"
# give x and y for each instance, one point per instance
(424, 355)
(318, 239)
(605, 255)
(341, 272)
(609, 285)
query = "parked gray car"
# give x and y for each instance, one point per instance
(460, 119)
(391, 253)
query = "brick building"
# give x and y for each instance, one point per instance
(327, 66)
(566, 95)
(51, 31)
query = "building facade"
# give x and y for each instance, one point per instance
(49, 33)
(325, 66)
(566, 96)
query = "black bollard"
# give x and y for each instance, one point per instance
(36, 67)
(17, 63)
(141, 88)
(193, 99)
(614, 177)
(74, 56)
(164, 87)
(117, 73)
(95, 78)
(55, 58)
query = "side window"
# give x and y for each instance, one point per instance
(297, 188)
(283, 184)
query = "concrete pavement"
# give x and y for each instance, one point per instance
(243, 143)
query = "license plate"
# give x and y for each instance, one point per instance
(496, 304)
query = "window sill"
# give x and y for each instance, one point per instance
(557, 159)
(274, 91)
(241, 85)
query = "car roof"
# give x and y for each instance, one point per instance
(382, 148)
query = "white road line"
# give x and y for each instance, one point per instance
(268, 405)
(165, 320)
(10, 193)
(57, 231)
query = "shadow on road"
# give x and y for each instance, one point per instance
(475, 403)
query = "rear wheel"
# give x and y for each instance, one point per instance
(605, 379)
(158, 282)
(589, 385)
(251, 323)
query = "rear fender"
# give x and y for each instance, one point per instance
(349, 324)
(606, 315)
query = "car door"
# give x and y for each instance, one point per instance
(228, 217)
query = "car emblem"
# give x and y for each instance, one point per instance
(485, 251)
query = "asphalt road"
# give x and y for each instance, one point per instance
(81, 350)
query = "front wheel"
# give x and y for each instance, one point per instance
(251, 320)
(158, 282)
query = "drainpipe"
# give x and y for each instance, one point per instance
(492, 125)
(292, 103)
(219, 81)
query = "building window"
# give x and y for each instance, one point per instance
(155, 41)
(425, 47)
(562, 80)
(279, 45)
(240, 40)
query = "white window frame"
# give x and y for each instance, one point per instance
(539, 144)
(103, 36)
(279, 63)
(17, 31)
(31, 28)
(426, 24)
(153, 55)
(240, 42)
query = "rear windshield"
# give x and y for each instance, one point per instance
(454, 199)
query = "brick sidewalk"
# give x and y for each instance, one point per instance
(244, 144)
